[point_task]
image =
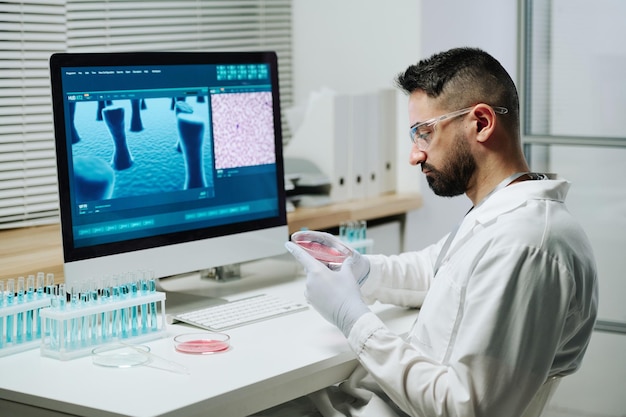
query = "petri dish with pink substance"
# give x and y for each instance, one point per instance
(330, 253)
(202, 343)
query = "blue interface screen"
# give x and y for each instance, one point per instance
(153, 150)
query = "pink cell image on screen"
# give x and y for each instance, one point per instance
(243, 129)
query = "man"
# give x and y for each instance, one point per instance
(507, 301)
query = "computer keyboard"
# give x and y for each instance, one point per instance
(239, 312)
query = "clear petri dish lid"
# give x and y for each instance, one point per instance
(120, 356)
(330, 253)
(202, 343)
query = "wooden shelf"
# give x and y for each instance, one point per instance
(367, 209)
(30, 250)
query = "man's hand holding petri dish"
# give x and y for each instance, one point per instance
(333, 290)
(332, 252)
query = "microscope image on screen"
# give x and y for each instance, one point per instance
(243, 126)
(134, 147)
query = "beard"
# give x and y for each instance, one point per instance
(453, 178)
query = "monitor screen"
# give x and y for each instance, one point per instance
(169, 162)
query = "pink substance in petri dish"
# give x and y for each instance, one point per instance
(201, 346)
(322, 252)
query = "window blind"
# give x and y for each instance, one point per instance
(33, 30)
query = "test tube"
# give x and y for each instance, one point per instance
(10, 296)
(50, 291)
(41, 277)
(49, 334)
(93, 299)
(144, 307)
(124, 321)
(40, 294)
(62, 296)
(115, 315)
(74, 324)
(134, 310)
(19, 326)
(362, 229)
(153, 305)
(105, 316)
(30, 296)
(50, 284)
(84, 320)
(1, 317)
(59, 330)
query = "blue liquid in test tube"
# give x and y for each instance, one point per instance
(40, 295)
(50, 333)
(30, 296)
(115, 317)
(19, 326)
(105, 296)
(124, 290)
(50, 290)
(10, 296)
(84, 320)
(134, 319)
(153, 305)
(74, 300)
(1, 317)
(93, 299)
(60, 330)
(144, 307)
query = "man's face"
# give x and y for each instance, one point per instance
(456, 168)
(447, 162)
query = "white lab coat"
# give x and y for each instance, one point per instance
(513, 303)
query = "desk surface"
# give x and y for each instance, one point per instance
(269, 363)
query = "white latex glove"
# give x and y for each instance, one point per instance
(360, 263)
(334, 294)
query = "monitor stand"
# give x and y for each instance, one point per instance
(177, 302)
(222, 273)
(184, 292)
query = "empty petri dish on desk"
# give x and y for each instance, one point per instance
(120, 355)
(332, 256)
(202, 343)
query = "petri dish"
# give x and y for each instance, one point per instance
(331, 255)
(120, 356)
(202, 343)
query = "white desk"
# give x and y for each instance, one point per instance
(270, 362)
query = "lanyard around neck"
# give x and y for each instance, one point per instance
(446, 246)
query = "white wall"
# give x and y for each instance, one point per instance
(352, 46)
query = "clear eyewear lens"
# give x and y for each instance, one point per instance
(423, 140)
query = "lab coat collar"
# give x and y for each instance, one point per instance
(515, 195)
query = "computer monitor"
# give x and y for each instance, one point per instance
(169, 162)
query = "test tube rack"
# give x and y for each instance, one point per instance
(72, 331)
(354, 233)
(20, 328)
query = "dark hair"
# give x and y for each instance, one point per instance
(462, 77)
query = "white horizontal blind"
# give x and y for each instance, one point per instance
(33, 30)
